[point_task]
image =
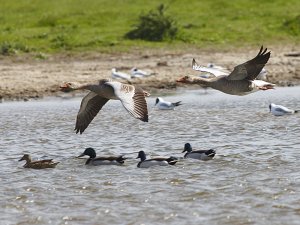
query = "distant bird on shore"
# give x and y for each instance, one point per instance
(119, 75)
(241, 81)
(279, 110)
(102, 160)
(132, 98)
(200, 154)
(41, 164)
(137, 73)
(165, 105)
(211, 70)
(214, 66)
(158, 161)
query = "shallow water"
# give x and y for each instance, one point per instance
(254, 178)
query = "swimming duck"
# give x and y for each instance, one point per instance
(159, 161)
(41, 164)
(279, 110)
(102, 160)
(241, 81)
(162, 104)
(132, 98)
(200, 154)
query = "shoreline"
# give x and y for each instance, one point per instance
(23, 79)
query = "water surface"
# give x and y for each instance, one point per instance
(254, 178)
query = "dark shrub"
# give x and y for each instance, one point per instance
(154, 26)
(293, 25)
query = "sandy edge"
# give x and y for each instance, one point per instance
(22, 79)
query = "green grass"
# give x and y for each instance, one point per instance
(100, 25)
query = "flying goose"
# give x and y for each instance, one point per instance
(132, 98)
(279, 110)
(162, 104)
(41, 164)
(159, 161)
(102, 160)
(241, 81)
(200, 154)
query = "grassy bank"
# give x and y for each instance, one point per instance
(100, 25)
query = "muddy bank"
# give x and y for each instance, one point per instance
(22, 79)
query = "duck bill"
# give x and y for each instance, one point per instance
(81, 155)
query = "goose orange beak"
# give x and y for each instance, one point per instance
(181, 79)
(65, 87)
(266, 87)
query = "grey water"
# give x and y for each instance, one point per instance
(253, 179)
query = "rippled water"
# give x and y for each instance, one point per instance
(254, 178)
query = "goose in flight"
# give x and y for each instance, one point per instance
(241, 81)
(132, 98)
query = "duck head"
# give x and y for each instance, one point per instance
(90, 152)
(26, 157)
(141, 155)
(187, 148)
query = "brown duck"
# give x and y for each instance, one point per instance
(41, 164)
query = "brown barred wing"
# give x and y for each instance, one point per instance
(91, 104)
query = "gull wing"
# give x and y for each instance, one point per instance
(283, 109)
(91, 104)
(213, 71)
(132, 98)
(121, 75)
(250, 69)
